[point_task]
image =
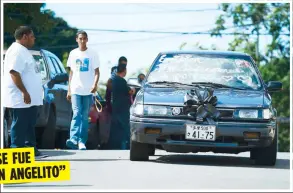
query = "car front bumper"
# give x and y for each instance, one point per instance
(228, 134)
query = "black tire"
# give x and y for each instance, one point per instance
(266, 156)
(49, 132)
(139, 151)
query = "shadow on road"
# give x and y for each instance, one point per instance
(209, 160)
(54, 153)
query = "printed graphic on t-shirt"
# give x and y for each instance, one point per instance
(82, 66)
(37, 68)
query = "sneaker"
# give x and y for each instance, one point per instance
(81, 146)
(71, 144)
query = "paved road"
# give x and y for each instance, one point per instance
(106, 170)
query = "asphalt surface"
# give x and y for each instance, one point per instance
(111, 170)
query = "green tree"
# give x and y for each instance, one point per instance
(52, 33)
(274, 63)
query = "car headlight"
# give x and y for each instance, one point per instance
(253, 113)
(248, 114)
(136, 109)
(155, 110)
(150, 110)
(266, 114)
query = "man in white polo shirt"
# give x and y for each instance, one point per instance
(83, 80)
(22, 89)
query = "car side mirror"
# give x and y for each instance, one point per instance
(57, 79)
(133, 82)
(274, 86)
(60, 78)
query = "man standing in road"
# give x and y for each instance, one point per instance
(122, 60)
(23, 90)
(83, 82)
(121, 92)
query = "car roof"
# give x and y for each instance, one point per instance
(206, 52)
(33, 52)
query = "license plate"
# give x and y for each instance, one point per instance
(200, 132)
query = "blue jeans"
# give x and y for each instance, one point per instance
(23, 127)
(79, 124)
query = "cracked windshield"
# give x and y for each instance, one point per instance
(189, 68)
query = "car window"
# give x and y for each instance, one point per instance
(55, 63)
(190, 68)
(52, 67)
(40, 62)
(60, 64)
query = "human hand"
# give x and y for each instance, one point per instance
(94, 89)
(26, 98)
(68, 96)
(133, 91)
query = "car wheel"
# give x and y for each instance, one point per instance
(49, 133)
(265, 156)
(139, 151)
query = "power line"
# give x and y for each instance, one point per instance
(174, 32)
(58, 35)
(132, 40)
(111, 42)
(123, 13)
(209, 32)
(165, 32)
(141, 12)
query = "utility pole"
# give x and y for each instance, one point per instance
(257, 45)
(257, 41)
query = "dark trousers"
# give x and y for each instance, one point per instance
(23, 127)
(120, 130)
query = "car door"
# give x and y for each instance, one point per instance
(55, 90)
(65, 105)
(61, 92)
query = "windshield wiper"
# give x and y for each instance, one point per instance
(170, 83)
(217, 85)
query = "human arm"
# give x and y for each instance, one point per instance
(97, 77)
(16, 67)
(69, 83)
(96, 67)
(131, 91)
(70, 76)
(16, 78)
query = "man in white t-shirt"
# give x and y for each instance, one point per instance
(83, 81)
(22, 89)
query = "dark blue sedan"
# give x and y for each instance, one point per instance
(205, 101)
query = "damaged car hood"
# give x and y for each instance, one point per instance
(227, 97)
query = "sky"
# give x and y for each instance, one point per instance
(142, 48)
